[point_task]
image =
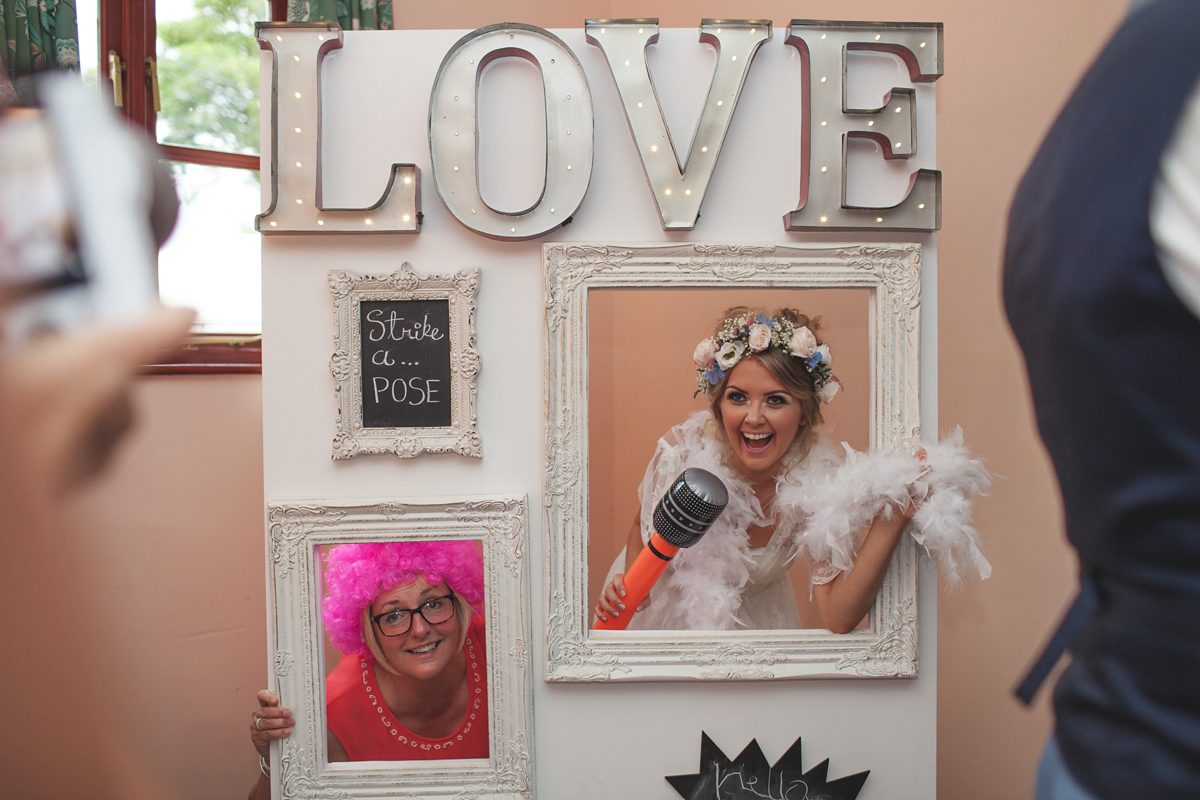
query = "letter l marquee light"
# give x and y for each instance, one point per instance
(678, 191)
(829, 121)
(295, 202)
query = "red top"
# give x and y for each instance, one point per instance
(362, 722)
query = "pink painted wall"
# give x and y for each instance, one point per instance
(175, 557)
(186, 492)
(1008, 71)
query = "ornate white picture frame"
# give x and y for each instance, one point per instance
(295, 531)
(887, 646)
(349, 292)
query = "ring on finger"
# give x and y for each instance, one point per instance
(258, 723)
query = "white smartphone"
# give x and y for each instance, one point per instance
(76, 194)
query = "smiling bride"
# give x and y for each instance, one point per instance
(766, 378)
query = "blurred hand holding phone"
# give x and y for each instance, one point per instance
(84, 205)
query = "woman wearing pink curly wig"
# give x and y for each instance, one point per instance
(412, 683)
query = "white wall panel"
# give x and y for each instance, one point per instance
(592, 741)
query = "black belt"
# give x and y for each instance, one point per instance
(1082, 608)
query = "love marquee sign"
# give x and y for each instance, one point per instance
(677, 183)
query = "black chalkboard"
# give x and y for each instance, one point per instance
(405, 363)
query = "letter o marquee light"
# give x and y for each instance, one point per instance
(569, 130)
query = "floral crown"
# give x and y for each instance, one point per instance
(750, 334)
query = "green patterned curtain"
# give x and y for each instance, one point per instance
(39, 35)
(352, 15)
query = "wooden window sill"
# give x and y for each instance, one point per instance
(209, 354)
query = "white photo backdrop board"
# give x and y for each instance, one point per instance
(593, 740)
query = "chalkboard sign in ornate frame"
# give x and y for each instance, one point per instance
(300, 767)
(405, 363)
(887, 646)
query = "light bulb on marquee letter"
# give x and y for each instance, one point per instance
(295, 202)
(829, 121)
(569, 130)
(678, 191)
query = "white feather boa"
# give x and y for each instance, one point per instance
(822, 510)
(844, 502)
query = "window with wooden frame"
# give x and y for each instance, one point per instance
(186, 71)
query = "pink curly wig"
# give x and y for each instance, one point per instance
(355, 574)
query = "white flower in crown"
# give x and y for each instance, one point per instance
(706, 353)
(730, 354)
(804, 342)
(760, 337)
(829, 390)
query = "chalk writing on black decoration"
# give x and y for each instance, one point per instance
(750, 777)
(405, 363)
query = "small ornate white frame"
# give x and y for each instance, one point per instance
(888, 646)
(294, 531)
(349, 290)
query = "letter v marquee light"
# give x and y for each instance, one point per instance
(678, 191)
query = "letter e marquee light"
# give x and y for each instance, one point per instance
(295, 202)
(828, 122)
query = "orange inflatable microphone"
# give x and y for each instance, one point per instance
(685, 513)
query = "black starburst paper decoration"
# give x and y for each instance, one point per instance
(749, 777)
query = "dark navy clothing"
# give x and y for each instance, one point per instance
(1114, 364)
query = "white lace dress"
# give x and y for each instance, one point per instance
(768, 598)
(720, 583)
(822, 508)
